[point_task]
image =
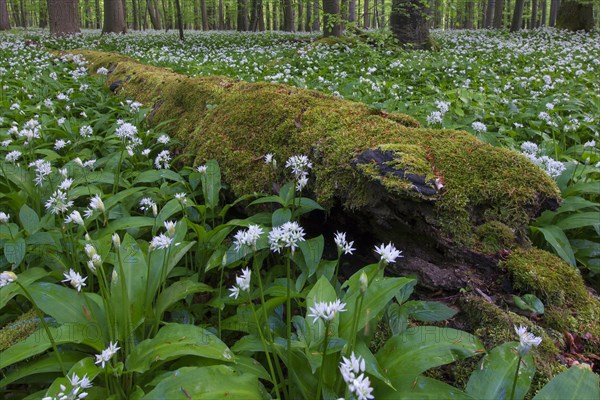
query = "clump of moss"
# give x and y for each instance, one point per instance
(494, 236)
(495, 326)
(569, 304)
(18, 330)
(237, 123)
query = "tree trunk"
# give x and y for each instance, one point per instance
(179, 19)
(533, 20)
(575, 16)
(288, 16)
(4, 21)
(499, 14)
(554, 6)
(98, 15)
(309, 16)
(155, 19)
(114, 19)
(489, 13)
(242, 15)
(43, 14)
(316, 16)
(544, 13)
(332, 24)
(204, 15)
(63, 16)
(469, 14)
(300, 15)
(408, 22)
(517, 19)
(134, 9)
(352, 11)
(221, 15)
(23, 13)
(366, 23)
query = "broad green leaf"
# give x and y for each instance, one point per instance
(29, 219)
(14, 250)
(268, 199)
(406, 291)
(322, 291)
(177, 291)
(407, 355)
(155, 175)
(172, 207)
(38, 342)
(45, 364)
(26, 278)
(173, 341)
(126, 223)
(529, 302)
(429, 311)
(397, 317)
(212, 382)
(312, 250)
(421, 388)
(559, 242)
(494, 377)
(579, 220)
(211, 184)
(577, 383)
(281, 216)
(84, 367)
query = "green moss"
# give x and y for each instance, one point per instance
(494, 236)
(569, 305)
(18, 330)
(237, 123)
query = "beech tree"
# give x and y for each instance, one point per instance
(63, 17)
(4, 21)
(114, 17)
(408, 21)
(332, 21)
(575, 15)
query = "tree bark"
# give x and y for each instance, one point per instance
(517, 19)
(221, 15)
(499, 14)
(288, 16)
(332, 23)
(63, 16)
(575, 16)
(308, 25)
(352, 11)
(179, 19)
(4, 20)
(489, 13)
(134, 9)
(469, 14)
(408, 22)
(155, 18)
(204, 15)
(23, 13)
(533, 20)
(316, 16)
(242, 15)
(300, 15)
(544, 13)
(366, 23)
(114, 19)
(554, 6)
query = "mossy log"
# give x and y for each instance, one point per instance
(448, 199)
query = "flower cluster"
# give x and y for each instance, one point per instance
(388, 253)
(326, 311)
(247, 237)
(286, 235)
(77, 389)
(299, 166)
(526, 340)
(107, 354)
(352, 370)
(7, 277)
(549, 165)
(342, 244)
(242, 283)
(75, 279)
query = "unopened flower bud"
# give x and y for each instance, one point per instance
(7, 277)
(363, 283)
(116, 240)
(154, 210)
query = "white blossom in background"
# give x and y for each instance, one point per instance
(388, 253)
(74, 217)
(107, 354)
(161, 241)
(352, 370)
(247, 237)
(163, 139)
(326, 311)
(13, 156)
(342, 244)
(75, 279)
(86, 131)
(162, 160)
(102, 71)
(287, 235)
(58, 203)
(201, 169)
(299, 165)
(170, 227)
(242, 283)
(552, 167)
(4, 217)
(479, 127)
(146, 204)
(77, 390)
(42, 170)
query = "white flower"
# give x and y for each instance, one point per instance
(269, 158)
(116, 240)
(342, 244)
(161, 241)
(242, 283)
(66, 184)
(479, 127)
(126, 131)
(162, 160)
(286, 235)
(388, 253)
(96, 203)
(181, 197)
(75, 279)
(74, 217)
(146, 204)
(361, 387)
(61, 120)
(301, 183)
(590, 143)
(442, 106)
(326, 311)
(351, 367)
(76, 389)
(202, 169)
(102, 71)
(60, 143)
(7, 277)
(436, 117)
(4, 217)
(86, 131)
(58, 202)
(299, 165)
(530, 148)
(247, 237)
(13, 156)
(163, 139)
(107, 354)
(83, 383)
(42, 169)
(526, 340)
(170, 227)
(5, 143)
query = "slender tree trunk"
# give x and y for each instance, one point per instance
(408, 22)
(179, 19)
(300, 15)
(221, 15)
(268, 15)
(63, 16)
(544, 13)
(134, 10)
(288, 16)
(23, 13)
(204, 15)
(517, 19)
(4, 20)
(114, 19)
(352, 11)
(469, 14)
(316, 16)
(332, 25)
(308, 24)
(533, 20)
(242, 15)
(489, 13)
(499, 14)
(366, 23)
(382, 19)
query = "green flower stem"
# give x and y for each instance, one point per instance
(43, 321)
(322, 370)
(125, 297)
(163, 278)
(103, 283)
(355, 318)
(220, 297)
(289, 320)
(514, 385)
(118, 174)
(264, 343)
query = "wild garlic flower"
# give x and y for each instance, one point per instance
(116, 239)
(301, 182)
(326, 310)
(146, 204)
(13, 156)
(162, 160)
(96, 203)
(181, 197)
(163, 139)
(60, 144)
(75, 279)
(299, 165)
(269, 159)
(479, 127)
(388, 253)
(286, 235)
(526, 340)
(161, 241)
(126, 131)
(242, 283)
(352, 367)
(74, 217)
(342, 244)
(7, 277)
(58, 202)
(107, 354)
(102, 71)
(170, 227)
(361, 387)
(86, 131)
(42, 169)
(4, 217)
(66, 184)
(76, 392)
(247, 237)
(202, 169)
